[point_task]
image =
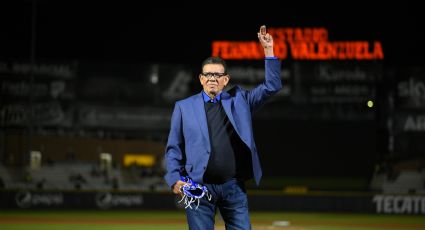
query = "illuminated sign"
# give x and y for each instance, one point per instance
(146, 160)
(300, 44)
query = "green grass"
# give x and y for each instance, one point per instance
(157, 220)
(88, 227)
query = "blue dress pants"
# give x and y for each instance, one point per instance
(230, 199)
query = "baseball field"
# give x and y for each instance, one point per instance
(166, 220)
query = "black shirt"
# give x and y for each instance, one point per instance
(230, 157)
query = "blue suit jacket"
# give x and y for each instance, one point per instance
(189, 145)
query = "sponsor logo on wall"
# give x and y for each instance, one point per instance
(106, 200)
(398, 204)
(411, 93)
(26, 199)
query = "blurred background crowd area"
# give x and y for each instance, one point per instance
(87, 91)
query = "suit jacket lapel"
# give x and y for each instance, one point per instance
(201, 117)
(227, 103)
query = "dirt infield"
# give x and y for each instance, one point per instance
(257, 225)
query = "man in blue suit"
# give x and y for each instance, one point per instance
(211, 141)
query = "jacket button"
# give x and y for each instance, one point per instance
(208, 152)
(205, 168)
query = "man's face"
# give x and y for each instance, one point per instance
(213, 79)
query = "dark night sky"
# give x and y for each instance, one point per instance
(121, 30)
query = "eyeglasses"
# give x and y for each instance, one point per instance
(210, 75)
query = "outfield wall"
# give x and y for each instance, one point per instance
(258, 201)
